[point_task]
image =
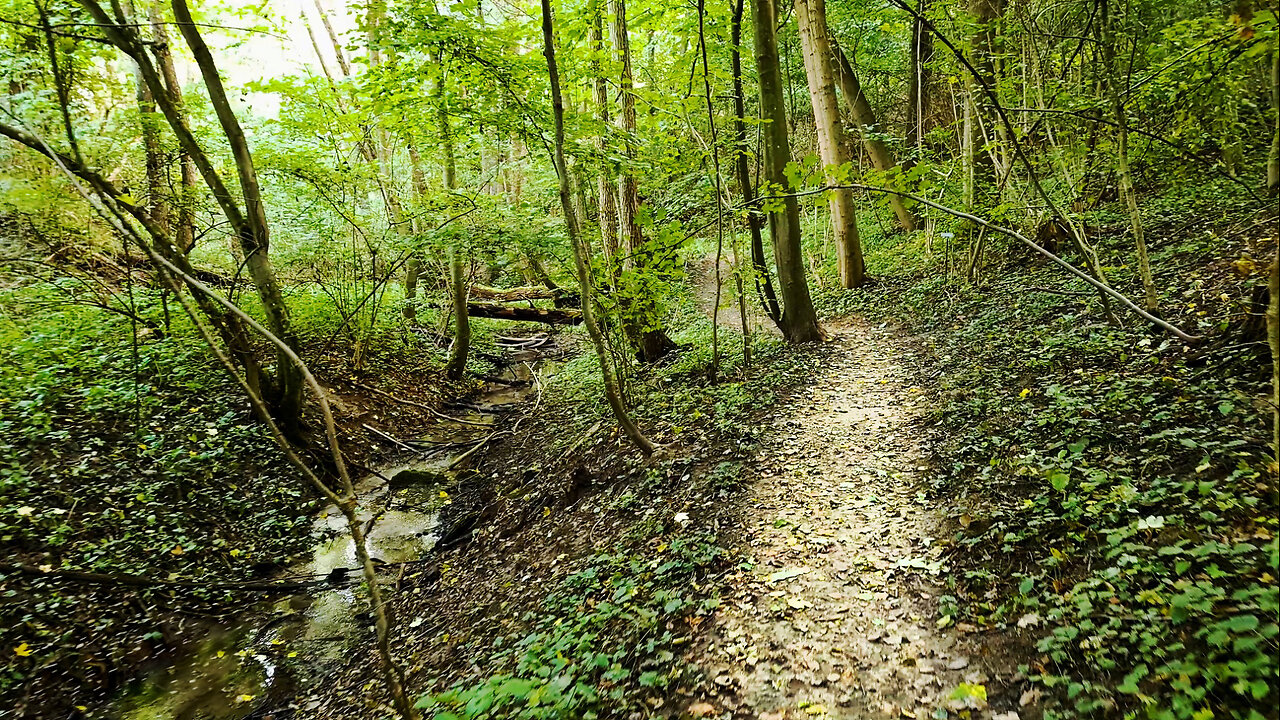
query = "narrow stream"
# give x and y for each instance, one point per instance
(257, 665)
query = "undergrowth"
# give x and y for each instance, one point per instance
(1115, 496)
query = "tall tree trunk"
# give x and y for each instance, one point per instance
(920, 91)
(799, 320)
(250, 225)
(612, 390)
(156, 201)
(1113, 76)
(811, 17)
(458, 285)
(865, 118)
(413, 266)
(985, 14)
(1273, 157)
(763, 277)
(651, 341)
(1273, 339)
(604, 180)
(185, 226)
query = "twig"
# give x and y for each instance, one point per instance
(385, 436)
(411, 403)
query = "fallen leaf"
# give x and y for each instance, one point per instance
(788, 574)
(22, 650)
(701, 709)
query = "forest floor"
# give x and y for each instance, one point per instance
(837, 615)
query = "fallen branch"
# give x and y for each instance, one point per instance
(391, 439)
(1098, 284)
(419, 405)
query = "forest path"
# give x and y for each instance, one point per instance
(838, 616)
(702, 272)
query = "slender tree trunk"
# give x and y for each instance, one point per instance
(799, 320)
(1113, 78)
(185, 227)
(919, 93)
(811, 17)
(251, 230)
(1273, 157)
(1273, 339)
(985, 13)
(157, 202)
(755, 219)
(611, 389)
(458, 285)
(652, 343)
(604, 181)
(865, 118)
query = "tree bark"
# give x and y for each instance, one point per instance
(458, 284)
(184, 234)
(550, 316)
(1273, 157)
(1113, 75)
(755, 219)
(641, 318)
(811, 17)
(799, 320)
(920, 91)
(865, 119)
(249, 223)
(1273, 339)
(604, 181)
(612, 391)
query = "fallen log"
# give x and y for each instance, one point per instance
(527, 314)
(530, 292)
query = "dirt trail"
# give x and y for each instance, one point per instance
(839, 617)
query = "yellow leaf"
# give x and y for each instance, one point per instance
(22, 650)
(177, 550)
(244, 698)
(1025, 392)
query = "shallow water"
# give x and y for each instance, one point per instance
(255, 666)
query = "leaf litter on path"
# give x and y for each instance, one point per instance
(840, 619)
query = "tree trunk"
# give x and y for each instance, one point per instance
(985, 14)
(185, 228)
(811, 17)
(920, 90)
(763, 277)
(865, 118)
(157, 202)
(458, 284)
(1113, 75)
(1273, 157)
(604, 181)
(611, 389)
(517, 313)
(799, 321)
(1273, 339)
(651, 340)
(250, 225)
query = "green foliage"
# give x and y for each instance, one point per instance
(129, 459)
(1114, 484)
(606, 638)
